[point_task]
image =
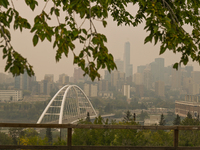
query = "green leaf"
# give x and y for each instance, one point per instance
(175, 66)
(8, 66)
(155, 29)
(162, 49)
(4, 3)
(104, 23)
(147, 39)
(57, 12)
(84, 31)
(35, 40)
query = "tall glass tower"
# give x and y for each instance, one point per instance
(128, 68)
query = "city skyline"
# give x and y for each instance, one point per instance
(42, 57)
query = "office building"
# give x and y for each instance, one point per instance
(147, 79)
(138, 78)
(24, 81)
(103, 85)
(120, 65)
(126, 91)
(11, 95)
(49, 77)
(160, 88)
(128, 68)
(63, 79)
(176, 79)
(78, 75)
(141, 68)
(90, 90)
(189, 70)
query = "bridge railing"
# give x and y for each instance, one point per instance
(83, 126)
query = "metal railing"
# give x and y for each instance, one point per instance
(83, 126)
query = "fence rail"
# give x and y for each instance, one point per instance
(83, 126)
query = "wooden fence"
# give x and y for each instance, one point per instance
(83, 126)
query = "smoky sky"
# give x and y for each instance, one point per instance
(42, 57)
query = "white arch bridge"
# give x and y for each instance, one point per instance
(68, 105)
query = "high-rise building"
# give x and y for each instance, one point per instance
(4, 78)
(24, 82)
(176, 79)
(78, 74)
(195, 77)
(10, 95)
(107, 75)
(128, 68)
(90, 90)
(103, 85)
(126, 91)
(138, 78)
(193, 89)
(160, 62)
(120, 65)
(167, 75)
(117, 80)
(189, 70)
(157, 69)
(63, 79)
(147, 79)
(141, 68)
(45, 87)
(139, 90)
(160, 88)
(49, 77)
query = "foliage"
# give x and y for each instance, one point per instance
(31, 138)
(189, 138)
(5, 139)
(177, 120)
(169, 118)
(107, 136)
(159, 138)
(128, 116)
(22, 111)
(164, 20)
(88, 117)
(49, 136)
(189, 116)
(60, 142)
(143, 115)
(108, 108)
(15, 133)
(162, 121)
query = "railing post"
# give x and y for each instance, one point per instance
(176, 138)
(69, 137)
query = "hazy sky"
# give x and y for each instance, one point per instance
(42, 57)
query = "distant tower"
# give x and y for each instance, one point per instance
(24, 82)
(157, 69)
(128, 68)
(160, 62)
(120, 65)
(189, 70)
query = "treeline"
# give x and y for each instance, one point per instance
(126, 137)
(21, 111)
(119, 105)
(107, 137)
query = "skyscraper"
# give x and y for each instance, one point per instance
(157, 69)
(128, 68)
(160, 62)
(24, 82)
(120, 65)
(189, 70)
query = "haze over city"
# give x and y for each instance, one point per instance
(42, 57)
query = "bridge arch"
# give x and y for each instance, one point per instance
(68, 105)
